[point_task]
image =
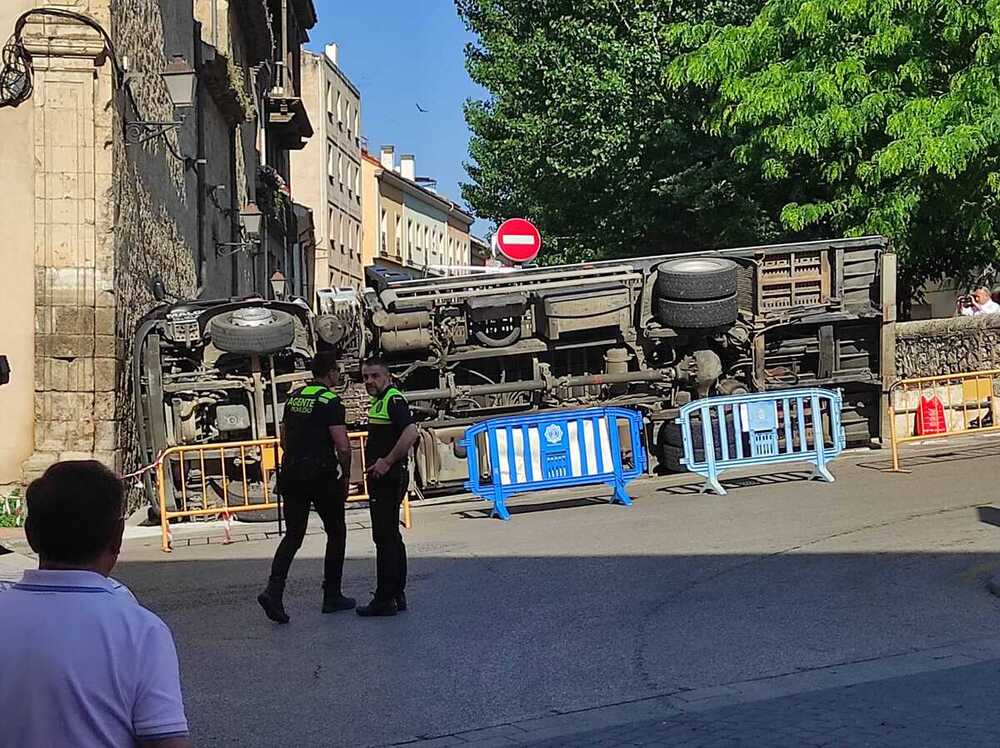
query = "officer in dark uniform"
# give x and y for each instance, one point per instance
(391, 433)
(315, 469)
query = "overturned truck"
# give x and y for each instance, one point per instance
(649, 333)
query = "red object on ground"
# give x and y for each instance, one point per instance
(930, 416)
(518, 240)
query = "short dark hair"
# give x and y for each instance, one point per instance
(323, 363)
(375, 361)
(73, 511)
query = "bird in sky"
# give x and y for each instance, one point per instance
(420, 108)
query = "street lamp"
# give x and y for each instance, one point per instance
(181, 81)
(279, 284)
(251, 220)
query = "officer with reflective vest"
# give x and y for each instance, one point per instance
(391, 433)
(315, 470)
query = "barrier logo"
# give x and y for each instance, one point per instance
(553, 433)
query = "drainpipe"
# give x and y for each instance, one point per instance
(284, 45)
(202, 161)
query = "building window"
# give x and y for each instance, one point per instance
(340, 169)
(383, 230)
(399, 237)
(329, 228)
(340, 110)
(357, 122)
(329, 161)
(341, 234)
(329, 99)
(357, 182)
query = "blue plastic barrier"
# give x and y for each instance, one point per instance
(552, 450)
(762, 428)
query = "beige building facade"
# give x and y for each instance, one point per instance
(98, 215)
(328, 171)
(405, 222)
(17, 282)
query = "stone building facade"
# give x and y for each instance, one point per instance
(405, 222)
(98, 222)
(328, 169)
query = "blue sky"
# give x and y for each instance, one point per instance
(400, 53)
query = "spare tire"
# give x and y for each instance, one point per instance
(252, 330)
(696, 278)
(697, 315)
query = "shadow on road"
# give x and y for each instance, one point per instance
(770, 479)
(485, 512)
(493, 638)
(911, 458)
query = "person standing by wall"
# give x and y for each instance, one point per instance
(978, 302)
(83, 663)
(315, 470)
(391, 433)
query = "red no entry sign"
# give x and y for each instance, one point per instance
(518, 240)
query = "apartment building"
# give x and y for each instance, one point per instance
(406, 222)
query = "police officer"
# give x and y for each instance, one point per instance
(315, 469)
(391, 433)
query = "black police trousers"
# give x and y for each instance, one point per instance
(325, 493)
(385, 495)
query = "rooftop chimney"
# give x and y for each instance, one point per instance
(388, 156)
(408, 167)
(331, 53)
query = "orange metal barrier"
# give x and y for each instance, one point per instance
(965, 399)
(202, 495)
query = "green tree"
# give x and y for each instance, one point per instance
(582, 134)
(886, 112)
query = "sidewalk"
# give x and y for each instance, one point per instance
(12, 564)
(943, 696)
(952, 708)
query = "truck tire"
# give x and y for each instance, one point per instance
(671, 434)
(696, 279)
(697, 315)
(670, 458)
(252, 330)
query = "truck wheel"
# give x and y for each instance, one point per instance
(670, 434)
(697, 315)
(252, 330)
(696, 279)
(670, 458)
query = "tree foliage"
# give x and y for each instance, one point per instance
(582, 135)
(889, 110)
(649, 124)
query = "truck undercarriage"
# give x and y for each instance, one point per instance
(649, 333)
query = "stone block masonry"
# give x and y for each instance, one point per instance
(927, 348)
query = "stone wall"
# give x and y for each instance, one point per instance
(74, 267)
(153, 200)
(947, 346)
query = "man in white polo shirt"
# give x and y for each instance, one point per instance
(83, 663)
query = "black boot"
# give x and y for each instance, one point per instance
(270, 600)
(401, 602)
(336, 603)
(378, 608)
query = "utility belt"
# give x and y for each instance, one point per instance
(310, 468)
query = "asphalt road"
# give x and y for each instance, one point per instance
(576, 604)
